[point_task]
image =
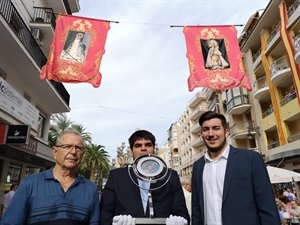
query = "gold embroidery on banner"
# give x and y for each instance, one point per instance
(69, 67)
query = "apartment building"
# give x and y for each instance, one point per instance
(266, 119)
(271, 47)
(26, 101)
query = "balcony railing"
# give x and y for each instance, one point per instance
(274, 144)
(44, 15)
(260, 83)
(289, 97)
(256, 55)
(273, 33)
(294, 137)
(238, 100)
(16, 23)
(213, 103)
(241, 127)
(293, 8)
(268, 112)
(279, 64)
(297, 43)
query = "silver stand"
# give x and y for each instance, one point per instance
(150, 220)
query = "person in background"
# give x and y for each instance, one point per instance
(6, 198)
(230, 185)
(187, 189)
(57, 195)
(124, 200)
(289, 194)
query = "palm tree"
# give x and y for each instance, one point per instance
(86, 136)
(60, 123)
(96, 160)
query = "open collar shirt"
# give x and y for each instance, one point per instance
(213, 184)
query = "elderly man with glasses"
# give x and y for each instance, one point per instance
(57, 195)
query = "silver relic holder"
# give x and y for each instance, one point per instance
(152, 169)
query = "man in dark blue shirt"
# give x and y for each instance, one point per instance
(58, 195)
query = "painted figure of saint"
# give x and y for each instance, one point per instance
(215, 59)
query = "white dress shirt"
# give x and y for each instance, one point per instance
(213, 184)
(144, 190)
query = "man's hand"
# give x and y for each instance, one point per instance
(176, 220)
(123, 220)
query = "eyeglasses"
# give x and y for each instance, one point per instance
(67, 147)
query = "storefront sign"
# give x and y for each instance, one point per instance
(16, 105)
(31, 147)
(17, 134)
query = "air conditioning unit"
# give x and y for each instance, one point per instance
(37, 34)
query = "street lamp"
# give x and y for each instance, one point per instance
(251, 132)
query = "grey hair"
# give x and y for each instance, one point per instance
(67, 132)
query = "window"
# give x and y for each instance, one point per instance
(13, 175)
(41, 125)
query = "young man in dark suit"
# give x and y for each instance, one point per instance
(123, 200)
(230, 185)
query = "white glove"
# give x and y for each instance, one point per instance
(123, 220)
(176, 220)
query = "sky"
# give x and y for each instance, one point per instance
(144, 68)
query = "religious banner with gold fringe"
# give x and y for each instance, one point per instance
(76, 50)
(214, 57)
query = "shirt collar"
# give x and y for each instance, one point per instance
(224, 155)
(49, 176)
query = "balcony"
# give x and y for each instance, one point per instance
(241, 130)
(260, 87)
(256, 58)
(288, 98)
(198, 111)
(212, 105)
(17, 40)
(273, 144)
(293, 8)
(297, 48)
(43, 21)
(294, 137)
(238, 105)
(268, 112)
(279, 70)
(196, 128)
(274, 32)
(200, 96)
(210, 93)
(197, 141)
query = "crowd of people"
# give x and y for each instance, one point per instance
(229, 186)
(288, 207)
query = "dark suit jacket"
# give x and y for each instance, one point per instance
(122, 197)
(248, 197)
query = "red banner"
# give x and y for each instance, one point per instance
(76, 50)
(214, 57)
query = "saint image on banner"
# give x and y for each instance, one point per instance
(214, 53)
(76, 46)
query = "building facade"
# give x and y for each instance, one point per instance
(266, 119)
(270, 44)
(26, 101)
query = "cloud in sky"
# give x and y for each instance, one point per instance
(144, 68)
